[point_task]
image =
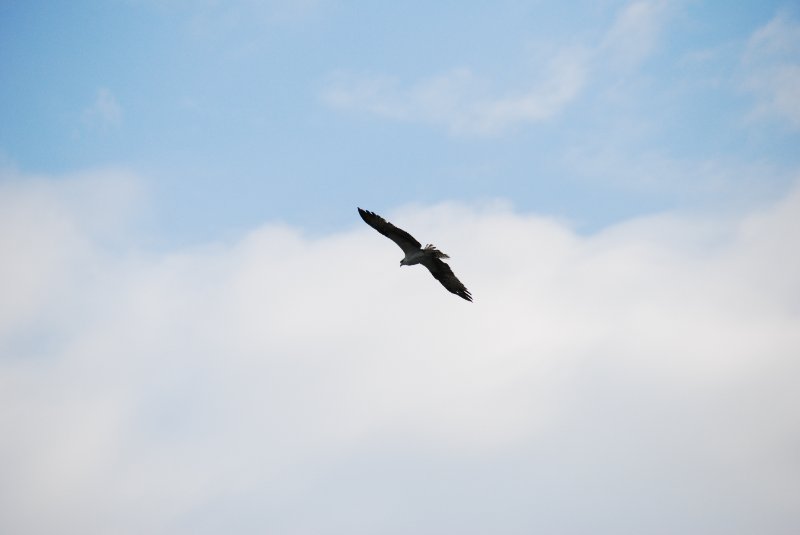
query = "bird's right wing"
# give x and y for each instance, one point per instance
(444, 274)
(402, 238)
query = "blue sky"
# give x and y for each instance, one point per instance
(199, 335)
(229, 111)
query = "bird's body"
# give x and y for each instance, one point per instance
(419, 255)
(414, 257)
(429, 256)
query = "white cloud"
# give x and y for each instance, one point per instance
(49, 243)
(772, 69)
(642, 376)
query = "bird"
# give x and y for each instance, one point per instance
(429, 256)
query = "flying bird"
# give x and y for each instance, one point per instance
(429, 256)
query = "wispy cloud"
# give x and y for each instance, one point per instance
(635, 34)
(104, 112)
(460, 101)
(772, 65)
(244, 384)
(465, 103)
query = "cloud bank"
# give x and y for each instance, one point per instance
(637, 380)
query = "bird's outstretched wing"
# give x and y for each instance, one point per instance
(442, 273)
(402, 238)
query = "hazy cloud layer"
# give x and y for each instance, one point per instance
(639, 380)
(772, 63)
(241, 21)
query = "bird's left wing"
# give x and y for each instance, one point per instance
(406, 241)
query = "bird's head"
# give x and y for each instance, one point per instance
(403, 262)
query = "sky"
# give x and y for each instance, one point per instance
(198, 334)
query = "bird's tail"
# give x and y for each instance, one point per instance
(436, 252)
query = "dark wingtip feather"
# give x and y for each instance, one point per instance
(366, 215)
